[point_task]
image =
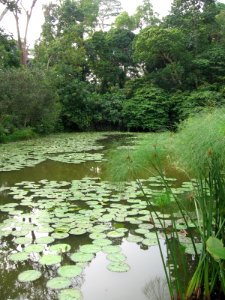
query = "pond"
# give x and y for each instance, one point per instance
(79, 235)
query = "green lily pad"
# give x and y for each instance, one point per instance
(134, 238)
(50, 259)
(149, 242)
(23, 240)
(78, 231)
(118, 267)
(81, 257)
(58, 283)
(45, 240)
(69, 271)
(116, 257)
(19, 256)
(90, 248)
(102, 242)
(60, 248)
(34, 248)
(30, 275)
(70, 294)
(60, 235)
(97, 235)
(115, 234)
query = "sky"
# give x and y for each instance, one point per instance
(8, 23)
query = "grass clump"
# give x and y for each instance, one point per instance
(198, 148)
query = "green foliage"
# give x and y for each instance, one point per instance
(200, 143)
(27, 99)
(147, 110)
(215, 248)
(9, 54)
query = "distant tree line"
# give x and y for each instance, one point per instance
(136, 73)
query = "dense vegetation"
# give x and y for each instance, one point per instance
(135, 73)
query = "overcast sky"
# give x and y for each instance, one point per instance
(160, 6)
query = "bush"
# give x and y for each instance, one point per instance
(147, 110)
(27, 99)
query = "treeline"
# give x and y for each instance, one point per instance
(136, 73)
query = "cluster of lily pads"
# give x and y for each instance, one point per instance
(45, 219)
(71, 148)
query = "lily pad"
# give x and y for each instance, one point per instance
(102, 242)
(50, 259)
(81, 257)
(34, 248)
(116, 257)
(118, 267)
(60, 248)
(58, 283)
(45, 240)
(19, 256)
(90, 248)
(29, 275)
(115, 234)
(134, 238)
(78, 231)
(69, 271)
(60, 235)
(70, 294)
(23, 240)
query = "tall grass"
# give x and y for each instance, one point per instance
(199, 149)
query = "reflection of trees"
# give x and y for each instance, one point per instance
(181, 265)
(10, 288)
(157, 289)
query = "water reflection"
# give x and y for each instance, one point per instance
(102, 284)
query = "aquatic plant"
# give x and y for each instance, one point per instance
(199, 150)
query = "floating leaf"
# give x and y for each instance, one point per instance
(60, 248)
(45, 240)
(69, 271)
(102, 242)
(60, 235)
(115, 234)
(70, 294)
(50, 259)
(116, 257)
(58, 283)
(19, 256)
(34, 248)
(134, 238)
(111, 249)
(90, 248)
(23, 240)
(118, 267)
(29, 275)
(81, 257)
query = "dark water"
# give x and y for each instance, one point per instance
(96, 282)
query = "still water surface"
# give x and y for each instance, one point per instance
(96, 282)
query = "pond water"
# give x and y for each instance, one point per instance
(57, 209)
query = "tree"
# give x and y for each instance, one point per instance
(9, 54)
(9, 5)
(17, 8)
(107, 10)
(27, 99)
(145, 15)
(163, 53)
(124, 21)
(110, 57)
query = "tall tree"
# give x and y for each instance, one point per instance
(145, 15)
(19, 9)
(108, 9)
